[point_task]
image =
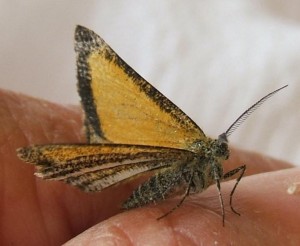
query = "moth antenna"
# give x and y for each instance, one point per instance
(249, 111)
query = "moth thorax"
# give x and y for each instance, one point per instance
(210, 148)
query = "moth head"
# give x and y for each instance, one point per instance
(221, 148)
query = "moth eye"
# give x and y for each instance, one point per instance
(222, 150)
(223, 145)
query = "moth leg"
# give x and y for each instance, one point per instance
(221, 200)
(228, 175)
(187, 192)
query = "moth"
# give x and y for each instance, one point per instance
(133, 129)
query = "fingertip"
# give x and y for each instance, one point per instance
(136, 227)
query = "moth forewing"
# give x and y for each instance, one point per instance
(122, 107)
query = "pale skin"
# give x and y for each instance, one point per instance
(39, 212)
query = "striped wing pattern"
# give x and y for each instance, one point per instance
(94, 167)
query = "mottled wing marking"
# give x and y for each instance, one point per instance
(97, 166)
(120, 106)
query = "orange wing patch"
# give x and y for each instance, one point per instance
(121, 106)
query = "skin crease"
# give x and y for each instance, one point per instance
(39, 212)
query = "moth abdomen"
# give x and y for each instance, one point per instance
(157, 188)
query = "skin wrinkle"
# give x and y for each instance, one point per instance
(45, 217)
(49, 118)
(64, 211)
(213, 212)
(183, 234)
(206, 212)
(162, 230)
(76, 215)
(201, 200)
(50, 133)
(59, 130)
(67, 221)
(8, 113)
(177, 233)
(19, 106)
(112, 235)
(123, 233)
(41, 212)
(168, 223)
(75, 124)
(14, 116)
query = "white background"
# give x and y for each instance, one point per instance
(211, 58)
